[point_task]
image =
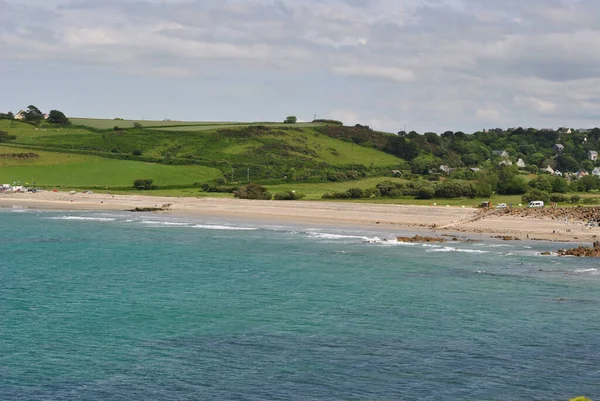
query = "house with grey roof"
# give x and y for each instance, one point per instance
(593, 155)
(559, 148)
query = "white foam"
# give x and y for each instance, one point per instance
(450, 249)
(587, 271)
(164, 223)
(191, 225)
(219, 227)
(81, 218)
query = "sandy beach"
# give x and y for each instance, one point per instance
(439, 219)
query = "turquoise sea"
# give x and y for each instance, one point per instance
(122, 306)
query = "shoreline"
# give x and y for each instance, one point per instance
(436, 220)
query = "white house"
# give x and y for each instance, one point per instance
(521, 163)
(445, 169)
(593, 155)
(549, 170)
(20, 115)
(596, 171)
(502, 153)
(581, 173)
(564, 130)
(557, 173)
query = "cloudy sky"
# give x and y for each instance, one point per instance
(424, 64)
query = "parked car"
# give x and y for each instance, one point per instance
(501, 206)
(536, 204)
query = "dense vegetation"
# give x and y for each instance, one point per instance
(450, 165)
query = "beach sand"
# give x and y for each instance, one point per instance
(442, 220)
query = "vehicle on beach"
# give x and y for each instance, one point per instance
(536, 204)
(501, 206)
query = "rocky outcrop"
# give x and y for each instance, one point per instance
(582, 251)
(587, 215)
(508, 238)
(422, 239)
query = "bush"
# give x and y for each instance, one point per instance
(253, 191)
(425, 193)
(591, 201)
(290, 120)
(559, 198)
(355, 193)
(143, 184)
(536, 195)
(217, 188)
(455, 189)
(137, 125)
(288, 195)
(575, 199)
(483, 190)
(137, 152)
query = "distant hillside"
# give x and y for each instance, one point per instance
(267, 151)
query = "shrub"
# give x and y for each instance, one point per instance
(143, 184)
(591, 201)
(290, 120)
(559, 198)
(288, 195)
(355, 193)
(253, 191)
(536, 195)
(483, 190)
(137, 152)
(455, 189)
(5, 137)
(137, 125)
(575, 199)
(217, 188)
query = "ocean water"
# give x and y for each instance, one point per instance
(122, 306)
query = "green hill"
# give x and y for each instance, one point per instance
(183, 153)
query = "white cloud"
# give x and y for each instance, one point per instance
(442, 64)
(391, 73)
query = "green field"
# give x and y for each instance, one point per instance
(70, 170)
(173, 125)
(254, 146)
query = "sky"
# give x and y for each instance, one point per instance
(423, 65)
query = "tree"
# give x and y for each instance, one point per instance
(58, 117)
(510, 182)
(589, 183)
(7, 116)
(567, 163)
(253, 191)
(536, 195)
(33, 114)
(143, 184)
(290, 120)
(137, 125)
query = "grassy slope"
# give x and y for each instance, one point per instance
(207, 145)
(70, 170)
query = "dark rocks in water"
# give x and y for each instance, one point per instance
(420, 238)
(147, 209)
(582, 251)
(508, 238)
(546, 253)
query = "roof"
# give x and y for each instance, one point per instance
(593, 152)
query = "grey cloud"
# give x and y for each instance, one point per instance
(437, 61)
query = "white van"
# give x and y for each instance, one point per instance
(536, 204)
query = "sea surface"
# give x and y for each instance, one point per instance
(123, 306)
